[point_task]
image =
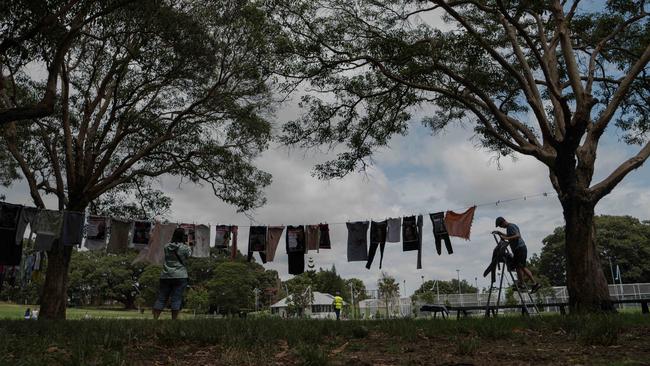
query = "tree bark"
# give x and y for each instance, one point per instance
(54, 298)
(586, 282)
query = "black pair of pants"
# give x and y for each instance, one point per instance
(440, 232)
(377, 239)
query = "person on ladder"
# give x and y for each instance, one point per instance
(519, 252)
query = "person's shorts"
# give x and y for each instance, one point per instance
(172, 289)
(519, 257)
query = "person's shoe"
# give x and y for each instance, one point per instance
(535, 287)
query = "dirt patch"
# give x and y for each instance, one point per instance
(524, 347)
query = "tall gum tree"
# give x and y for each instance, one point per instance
(577, 69)
(156, 89)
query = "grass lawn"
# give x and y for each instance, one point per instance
(14, 311)
(550, 340)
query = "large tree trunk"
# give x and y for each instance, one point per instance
(54, 298)
(586, 283)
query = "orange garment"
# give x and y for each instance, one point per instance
(460, 225)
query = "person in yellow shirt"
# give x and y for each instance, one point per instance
(338, 305)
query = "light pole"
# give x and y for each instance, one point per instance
(478, 302)
(460, 298)
(354, 308)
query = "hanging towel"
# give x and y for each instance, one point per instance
(119, 239)
(233, 249)
(394, 228)
(357, 241)
(73, 225)
(141, 232)
(27, 217)
(96, 233)
(48, 228)
(312, 236)
(202, 241)
(154, 253)
(296, 246)
(460, 225)
(257, 242)
(377, 239)
(273, 235)
(10, 250)
(222, 237)
(324, 237)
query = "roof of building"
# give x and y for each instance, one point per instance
(319, 299)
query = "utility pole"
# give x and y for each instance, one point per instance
(460, 298)
(354, 309)
(478, 301)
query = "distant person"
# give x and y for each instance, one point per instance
(519, 252)
(173, 278)
(338, 305)
(28, 314)
(34, 315)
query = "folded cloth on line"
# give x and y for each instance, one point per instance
(324, 237)
(96, 233)
(257, 242)
(141, 232)
(394, 229)
(312, 237)
(119, 239)
(73, 225)
(357, 241)
(27, 217)
(273, 235)
(460, 225)
(201, 241)
(48, 228)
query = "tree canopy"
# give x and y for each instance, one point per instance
(622, 239)
(538, 78)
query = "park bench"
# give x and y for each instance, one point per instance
(464, 310)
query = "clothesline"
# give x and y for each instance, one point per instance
(483, 204)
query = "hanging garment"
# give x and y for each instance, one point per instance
(420, 223)
(377, 239)
(409, 234)
(394, 229)
(154, 253)
(357, 241)
(233, 248)
(202, 241)
(10, 251)
(296, 246)
(27, 217)
(257, 242)
(73, 225)
(222, 237)
(28, 267)
(440, 232)
(141, 232)
(119, 239)
(324, 237)
(190, 230)
(273, 235)
(48, 229)
(96, 233)
(312, 237)
(460, 225)
(500, 254)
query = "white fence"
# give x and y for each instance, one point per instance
(405, 307)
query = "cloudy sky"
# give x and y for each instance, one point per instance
(419, 173)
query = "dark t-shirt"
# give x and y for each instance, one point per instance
(511, 230)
